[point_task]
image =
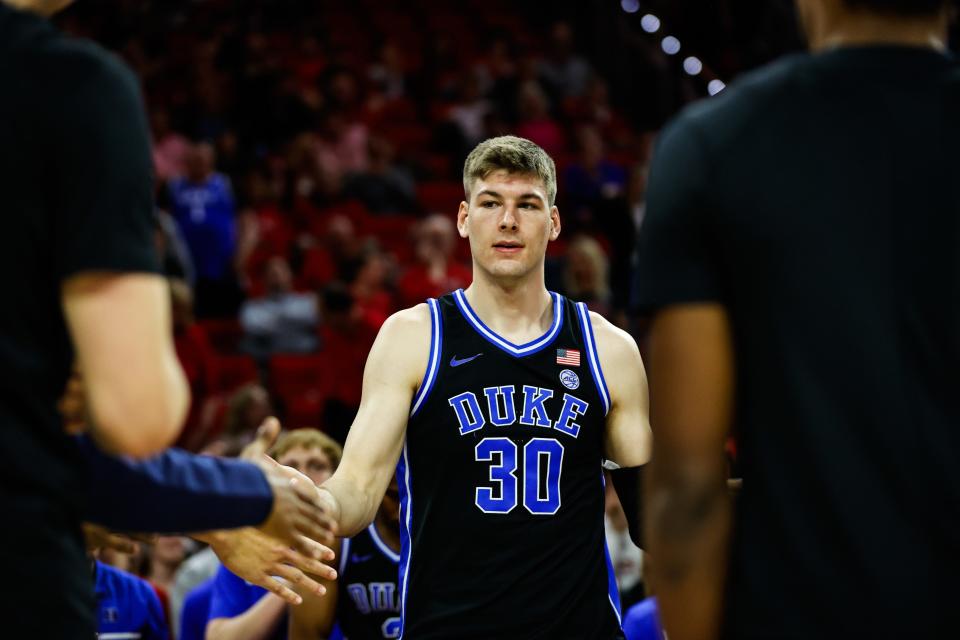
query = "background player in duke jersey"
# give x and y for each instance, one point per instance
(494, 402)
(364, 601)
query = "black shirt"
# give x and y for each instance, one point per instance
(501, 485)
(76, 189)
(817, 200)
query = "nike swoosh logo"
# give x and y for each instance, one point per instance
(456, 363)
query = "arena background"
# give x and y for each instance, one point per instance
(329, 137)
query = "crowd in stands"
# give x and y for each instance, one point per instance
(308, 159)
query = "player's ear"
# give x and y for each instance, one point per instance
(462, 219)
(554, 223)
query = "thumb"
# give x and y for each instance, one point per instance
(266, 436)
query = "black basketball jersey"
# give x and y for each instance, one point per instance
(368, 605)
(501, 485)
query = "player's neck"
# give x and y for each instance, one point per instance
(519, 311)
(864, 29)
(389, 534)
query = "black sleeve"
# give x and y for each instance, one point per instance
(174, 492)
(627, 481)
(101, 182)
(676, 250)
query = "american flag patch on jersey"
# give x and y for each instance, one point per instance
(569, 357)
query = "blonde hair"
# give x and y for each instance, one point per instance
(308, 439)
(513, 155)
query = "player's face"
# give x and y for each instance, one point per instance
(311, 462)
(509, 222)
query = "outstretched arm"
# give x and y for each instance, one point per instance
(394, 369)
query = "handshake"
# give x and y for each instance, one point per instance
(288, 549)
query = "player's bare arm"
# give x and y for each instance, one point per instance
(688, 506)
(314, 618)
(394, 369)
(121, 327)
(628, 438)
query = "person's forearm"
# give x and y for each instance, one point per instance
(257, 623)
(352, 506)
(687, 533)
(173, 492)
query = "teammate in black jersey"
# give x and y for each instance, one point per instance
(500, 403)
(364, 601)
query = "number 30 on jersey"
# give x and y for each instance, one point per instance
(539, 489)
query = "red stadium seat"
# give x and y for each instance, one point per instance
(230, 372)
(293, 375)
(440, 197)
(223, 334)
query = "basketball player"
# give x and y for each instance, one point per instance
(501, 402)
(364, 601)
(800, 251)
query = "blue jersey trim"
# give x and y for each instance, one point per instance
(534, 346)
(613, 592)
(433, 363)
(384, 548)
(593, 359)
(406, 541)
(344, 554)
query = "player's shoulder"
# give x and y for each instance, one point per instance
(611, 338)
(404, 340)
(408, 322)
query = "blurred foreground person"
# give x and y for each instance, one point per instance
(81, 267)
(800, 252)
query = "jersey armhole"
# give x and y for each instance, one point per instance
(593, 358)
(433, 363)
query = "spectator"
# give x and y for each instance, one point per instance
(585, 274)
(195, 612)
(592, 177)
(282, 321)
(346, 340)
(470, 111)
(435, 272)
(373, 302)
(162, 562)
(384, 187)
(202, 204)
(536, 123)
(341, 147)
(195, 355)
(247, 408)
(566, 72)
(239, 610)
(388, 74)
(127, 606)
(170, 149)
(338, 256)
